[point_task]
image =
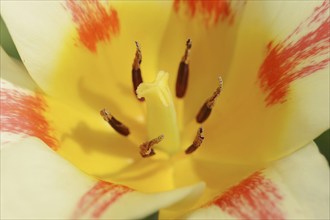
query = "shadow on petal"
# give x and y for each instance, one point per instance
(92, 140)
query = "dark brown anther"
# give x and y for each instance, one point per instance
(182, 79)
(197, 142)
(206, 109)
(114, 123)
(203, 113)
(146, 148)
(136, 70)
(183, 72)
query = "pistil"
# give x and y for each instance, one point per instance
(161, 115)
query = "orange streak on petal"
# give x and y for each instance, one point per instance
(291, 59)
(98, 199)
(93, 21)
(254, 198)
(24, 114)
(211, 10)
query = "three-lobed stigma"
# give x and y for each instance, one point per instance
(161, 115)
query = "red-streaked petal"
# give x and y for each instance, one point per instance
(100, 197)
(94, 22)
(267, 133)
(212, 11)
(254, 197)
(288, 189)
(304, 52)
(36, 183)
(22, 106)
(110, 201)
(79, 46)
(23, 114)
(213, 46)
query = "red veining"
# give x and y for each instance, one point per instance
(210, 9)
(24, 114)
(254, 198)
(302, 53)
(93, 204)
(93, 21)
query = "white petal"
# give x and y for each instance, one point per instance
(15, 85)
(137, 205)
(305, 177)
(276, 96)
(296, 187)
(14, 72)
(37, 53)
(38, 184)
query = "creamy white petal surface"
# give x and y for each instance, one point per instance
(295, 187)
(36, 183)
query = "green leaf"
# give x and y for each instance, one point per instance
(323, 142)
(152, 217)
(6, 41)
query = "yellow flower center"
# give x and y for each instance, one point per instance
(148, 141)
(162, 125)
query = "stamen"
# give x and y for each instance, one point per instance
(206, 109)
(136, 71)
(197, 142)
(114, 123)
(183, 72)
(146, 148)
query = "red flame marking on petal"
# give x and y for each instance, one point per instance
(23, 114)
(212, 10)
(93, 21)
(98, 199)
(253, 198)
(293, 59)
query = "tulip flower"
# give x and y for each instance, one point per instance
(208, 110)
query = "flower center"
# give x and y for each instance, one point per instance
(162, 124)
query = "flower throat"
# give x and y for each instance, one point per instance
(162, 125)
